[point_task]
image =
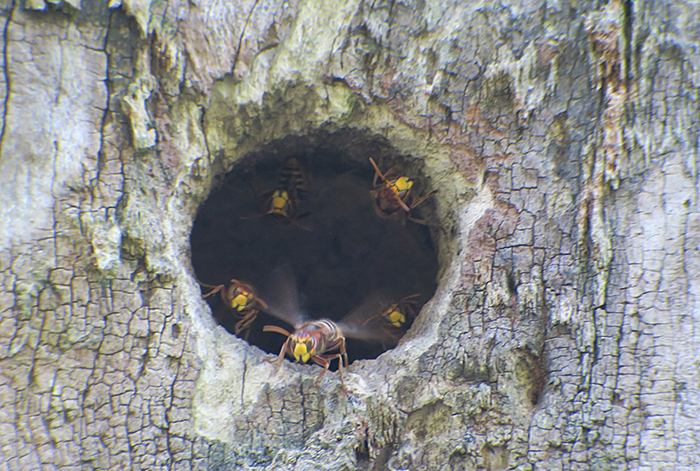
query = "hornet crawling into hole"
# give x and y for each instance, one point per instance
(284, 202)
(242, 299)
(314, 339)
(399, 313)
(392, 197)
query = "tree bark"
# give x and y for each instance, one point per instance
(564, 139)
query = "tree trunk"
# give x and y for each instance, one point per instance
(563, 139)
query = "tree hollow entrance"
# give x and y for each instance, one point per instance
(339, 249)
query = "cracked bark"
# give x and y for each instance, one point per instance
(564, 142)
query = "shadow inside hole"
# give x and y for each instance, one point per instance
(348, 254)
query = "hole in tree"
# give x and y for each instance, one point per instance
(339, 249)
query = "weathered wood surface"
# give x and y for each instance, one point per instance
(563, 136)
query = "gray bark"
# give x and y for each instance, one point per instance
(564, 139)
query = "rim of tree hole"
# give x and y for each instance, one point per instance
(339, 250)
